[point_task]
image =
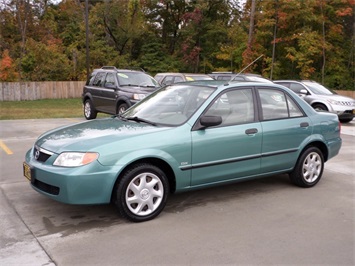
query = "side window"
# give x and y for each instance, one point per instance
(178, 79)
(224, 78)
(239, 78)
(110, 80)
(276, 104)
(99, 79)
(90, 81)
(235, 107)
(294, 110)
(168, 80)
(284, 84)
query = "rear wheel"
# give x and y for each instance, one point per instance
(309, 168)
(89, 110)
(142, 192)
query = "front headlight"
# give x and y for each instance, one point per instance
(73, 159)
(138, 96)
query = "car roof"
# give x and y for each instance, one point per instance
(181, 73)
(296, 81)
(114, 69)
(228, 84)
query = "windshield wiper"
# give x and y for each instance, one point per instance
(130, 85)
(149, 86)
(137, 119)
(136, 85)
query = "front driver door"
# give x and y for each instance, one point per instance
(231, 150)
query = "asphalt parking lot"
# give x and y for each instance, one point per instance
(261, 222)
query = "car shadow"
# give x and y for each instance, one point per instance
(45, 216)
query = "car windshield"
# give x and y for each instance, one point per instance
(171, 106)
(317, 88)
(136, 79)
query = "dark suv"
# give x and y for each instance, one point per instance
(111, 90)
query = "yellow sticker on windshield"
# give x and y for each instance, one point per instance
(122, 75)
(189, 79)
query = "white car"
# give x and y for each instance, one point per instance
(322, 99)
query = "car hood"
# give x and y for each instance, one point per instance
(92, 134)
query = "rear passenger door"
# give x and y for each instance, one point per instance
(109, 93)
(96, 90)
(284, 127)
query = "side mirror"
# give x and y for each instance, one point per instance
(210, 121)
(303, 92)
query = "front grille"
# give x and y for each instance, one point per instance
(46, 187)
(41, 155)
(347, 103)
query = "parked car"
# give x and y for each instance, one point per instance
(184, 136)
(230, 76)
(322, 99)
(170, 78)
(111, 90)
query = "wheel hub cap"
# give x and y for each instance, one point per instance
(144, 194)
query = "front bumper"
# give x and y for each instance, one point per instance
(347, 114)
(88, 184)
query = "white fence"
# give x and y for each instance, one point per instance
(23, 91)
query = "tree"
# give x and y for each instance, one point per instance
(7, 68)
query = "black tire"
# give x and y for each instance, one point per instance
(319, 107)
(142, 192)
(309, 168)
(89, 110)
(122, 108)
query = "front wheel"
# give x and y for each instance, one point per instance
(122, 108)
(89, 110)
(309, 168)
(142, 192)
(319, 107)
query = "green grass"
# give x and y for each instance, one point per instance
(49, 108)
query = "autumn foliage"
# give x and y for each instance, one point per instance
(309, 39)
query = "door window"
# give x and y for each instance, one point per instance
(99, 79)
(234, 106)
(276, 104)
(110, 80)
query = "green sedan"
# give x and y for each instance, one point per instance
(182, 137)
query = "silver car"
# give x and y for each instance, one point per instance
(322, 99)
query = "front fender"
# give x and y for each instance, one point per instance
(325, 103)
(182, 177)
(123, 99)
